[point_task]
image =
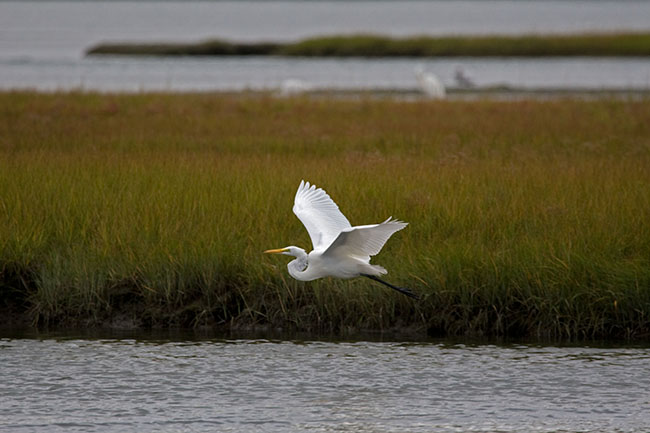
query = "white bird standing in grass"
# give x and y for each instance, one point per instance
(293, 86)
(340, 250)
(430, 84)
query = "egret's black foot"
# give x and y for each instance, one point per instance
(403, 290)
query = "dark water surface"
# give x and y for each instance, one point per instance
(68, 384)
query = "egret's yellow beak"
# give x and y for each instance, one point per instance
(278, 251)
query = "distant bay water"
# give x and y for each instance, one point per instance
(42, 43)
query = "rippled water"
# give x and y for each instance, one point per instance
(129, 385)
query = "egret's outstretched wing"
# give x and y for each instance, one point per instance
(320, 215)
(364, 241)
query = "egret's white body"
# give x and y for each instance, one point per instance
(430, 84)
(340, 250)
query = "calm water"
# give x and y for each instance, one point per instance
(42, 44)
(128, 385)
(264, 73)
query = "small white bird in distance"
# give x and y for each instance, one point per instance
(293, 86)
(430, 84)
(340, 250)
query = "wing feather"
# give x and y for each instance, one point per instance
(364, 241)
(319, 214)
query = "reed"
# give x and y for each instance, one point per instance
(368, 45)
(527, 218)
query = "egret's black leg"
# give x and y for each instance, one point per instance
(405, 291)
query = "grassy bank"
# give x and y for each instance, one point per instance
(526, 218)
(605, 44)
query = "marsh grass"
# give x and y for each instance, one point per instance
(613, 44)
(369, 45)
(527, 218)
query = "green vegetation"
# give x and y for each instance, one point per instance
(599, 44)
(527, 218)
(206, 48)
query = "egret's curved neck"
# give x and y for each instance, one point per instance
(298, 268)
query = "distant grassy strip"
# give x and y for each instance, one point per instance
(527, 218)
(606, 44)
(206, 48)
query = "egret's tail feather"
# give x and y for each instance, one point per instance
(402, 290)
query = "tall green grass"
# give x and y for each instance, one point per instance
(527, 218)
(588, 44)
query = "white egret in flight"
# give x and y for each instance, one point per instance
(340, 250)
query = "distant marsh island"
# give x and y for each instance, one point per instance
(533, 45)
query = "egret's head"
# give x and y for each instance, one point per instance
(288, 251)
